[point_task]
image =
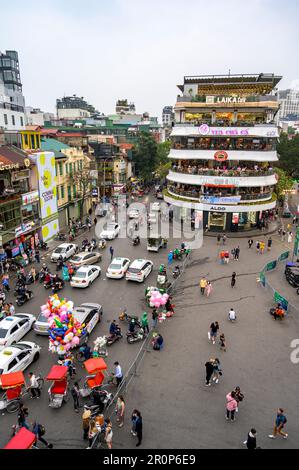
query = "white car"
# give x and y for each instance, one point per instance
(139, 270)
(117, 268)
(85, 276)
(66, 250)
(18, 356)
(133, 214)
(156, 207)
(13, 328)
(110, 232)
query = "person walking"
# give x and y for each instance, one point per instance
(233, 279)
(120, 411)
(239, 396)
(5, 282)
(232, 315)
(37, 255)
(108, 433)
(170, 258)
(208, 288)
(209, 365)
(218, 239)
(290, 237)
(231, 405)
(283, 235)
(250, 243)
(257, 245)
(75, 392)
(133, 420)
(222, 342)
(39, 430)
(224, 237)
(203, 284)
(262, 247)
(216, 370)
(34, 388)
(280, 421)
(92, 432)
(111, 252)
(154, 318)
(237, 253)
(251, 440)
(144, 323)
(22, 416)
(269, 243)
(118, 373)
(138, 428)
(214, 327)
(85, 422)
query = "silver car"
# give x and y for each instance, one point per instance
(84, 257)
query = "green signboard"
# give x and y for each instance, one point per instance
(281, 300)
(283, 256)
(271, 265)
(262, 278)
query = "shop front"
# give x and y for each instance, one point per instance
(230, 221)
(22, 247)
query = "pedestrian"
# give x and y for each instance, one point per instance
(92, 432)
(39, 430)
(231, 405)
(280, 421)
(222, 342)
(144, 323)
(111, 252)
(209, 365)
(257, 246)
(108, 433)
(208, 288)
(250, 243)
(239, 396)
(214, 327)
(216, 370)
(5, 282)
(170, 258)
(37, 255)
(290, 237)
(138, 428)
(95, 221)
(226, 257)
(85, 422)
(218, 239)
(224, 237)
(118, 373)
(203, 284)
(120, 411)
(269, 243)
(232, 315)
(89, 225)
(34, 388)
(237, 253)
(262, 247)
(154, 318)
(233, 279)
(75, 392)
(283, 235)
(134, 419)
(12, 309)
(251, 440)
(6, 310)
(22, 415)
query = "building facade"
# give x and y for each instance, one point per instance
(73, 107)
(289, 105)
(223, 149)
(12, 102)
(167, 116)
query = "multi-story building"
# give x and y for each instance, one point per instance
(73, 107)
(37, 117)
(167, 116)
(223, 149)
(12, 102)
(123, 107)
(289, 105)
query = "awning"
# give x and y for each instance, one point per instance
(95, 365)
(12, 158)
(13, 379)
(57, 373)
(24, 439)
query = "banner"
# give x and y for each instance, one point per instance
(281, 300)
(283, 256)
(262, 279)
(271, 265)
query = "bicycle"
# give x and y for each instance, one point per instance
(12, 405)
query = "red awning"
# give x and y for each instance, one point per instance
(14, 379)
(22, 440)
(57, 373)
(95, 365)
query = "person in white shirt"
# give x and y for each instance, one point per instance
(34, 388)
(118, 373)
(12, 310)
(232, 315)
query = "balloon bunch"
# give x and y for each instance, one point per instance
(64, 329)
(157, 299)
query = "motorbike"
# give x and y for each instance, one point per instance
(136, 241)
(43, 245)
(272, 312)
(48, 284)
(41, 276)
(93, 244)
(57, 286)
(29, 279)
(176, 272)
(60, 237)
(138, 335)
(21, 299)
(161, 281)
(113, 338)
(101, 398)
(102, 244)
(59, 264)
(124, 316)
(84, 244)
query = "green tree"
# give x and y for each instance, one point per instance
(284, 182)
(162, 170)
(288, 150)
(163, 151)
(145, 156)
(83, 182)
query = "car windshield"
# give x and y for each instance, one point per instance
(81, 274)
(110, 227)
(134, 270)
(115, 266)
(3, 333)
(42, 318)
(59, 250)
(20, 346)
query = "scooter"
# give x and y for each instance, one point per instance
(60, 237)
(29, 279)
(113, 338)
(21, 299)
(176, 272)
(102, 244)
(136, 241)
(136, 336)
(124, 316)
(43, 245)
(57, 286)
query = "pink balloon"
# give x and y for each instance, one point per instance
(47, 313)
(43, 307)
(75, 341)
(68, 346)
(163, 301)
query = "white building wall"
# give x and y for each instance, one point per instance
(72, 113)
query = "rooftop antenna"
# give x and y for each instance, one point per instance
(229, 72)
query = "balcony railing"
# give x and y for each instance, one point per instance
(214, 145)
(193, 170)
(198, 196)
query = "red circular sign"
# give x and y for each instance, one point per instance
(221, 156)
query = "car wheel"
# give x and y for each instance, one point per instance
(36, 356)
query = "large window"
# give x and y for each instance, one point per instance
(5, 119)
(10, 215)
(13, 120)
(30, 212)
(62, 192)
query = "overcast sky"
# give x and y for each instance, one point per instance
(141, 49)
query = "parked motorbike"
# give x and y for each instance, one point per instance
(29, 279)
(43, 245)
(113, 338)
(101, 398)
(21, 299)
(176, 272)
(102, 244)
(138, 335)
(93, 244)
(124, 316)
(136, 241)
(60, 237)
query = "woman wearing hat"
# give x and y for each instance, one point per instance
(85, 422)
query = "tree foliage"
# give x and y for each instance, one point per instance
(145, 156)
(288, 150)
(284, 182)
(163, 151)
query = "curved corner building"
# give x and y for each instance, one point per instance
(223, 148)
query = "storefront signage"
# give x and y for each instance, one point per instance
(23, 228)
(220, 156)
(29, 198)
(225, 99)
(15, 251)
(233, 131)
(20, 175)
(221, 200)
(219, 181)
(95, 192)
(11, 166)
(217, 208)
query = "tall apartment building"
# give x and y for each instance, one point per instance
(223, 148)
(289, 104)
(167, 116)
(12, 102)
